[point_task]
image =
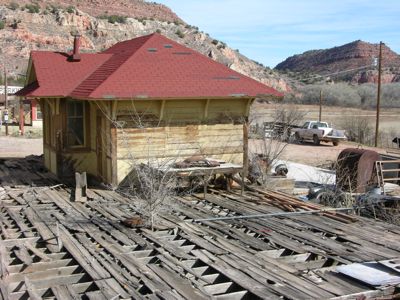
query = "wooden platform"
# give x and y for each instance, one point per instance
(53, 248)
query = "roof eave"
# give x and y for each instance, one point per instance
(162, 98)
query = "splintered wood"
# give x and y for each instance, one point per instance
(55, 248)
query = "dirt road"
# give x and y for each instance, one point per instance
(19, 146)
(309, 154)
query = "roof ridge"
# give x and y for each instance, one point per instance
(110, 66)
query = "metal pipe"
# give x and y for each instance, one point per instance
(280, 214)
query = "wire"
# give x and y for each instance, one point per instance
(339, 72)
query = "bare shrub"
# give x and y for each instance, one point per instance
(152, 188)
(367, 94)
(267, 149)
(288, 114)
(149, 184)
(337, 94)
(358, 129)
(344, 94)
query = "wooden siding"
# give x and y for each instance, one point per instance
(175, 129)
(146, 129)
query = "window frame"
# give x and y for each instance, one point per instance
(84, 127)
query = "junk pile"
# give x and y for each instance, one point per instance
(197, 161)
(355, 170)
(262, 173)
(365, 180)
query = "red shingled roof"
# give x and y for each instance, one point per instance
(151, 66)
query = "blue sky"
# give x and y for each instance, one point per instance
(269, 31)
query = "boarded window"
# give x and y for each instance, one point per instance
(75, 123)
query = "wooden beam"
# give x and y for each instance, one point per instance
(81, 186)
(248, 105)
(114, 105)
(52, 106)
(21, 117)
(245, 147)
(114, 169)
(104, 108)
(162, 108)
(206, 109)
(57, 106)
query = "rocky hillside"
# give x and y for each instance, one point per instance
(49, 27)
(351, 56)
(130, 8)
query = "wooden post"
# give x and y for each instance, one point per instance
(320, 106)
(205, 180)
(81, 186)
(162, 108)
(114, 169)
(6, 114)
(245, 148)
(21, 117)
(378, 99)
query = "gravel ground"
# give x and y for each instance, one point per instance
(20, 146)
(309, 154)
(305, 153)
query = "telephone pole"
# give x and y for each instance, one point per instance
(378, 98)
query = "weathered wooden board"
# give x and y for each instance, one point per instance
(53, 247)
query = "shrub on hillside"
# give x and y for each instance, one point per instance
(32, 8)
(13, 6)
(2, 25)
(180, 34)
(53, 8)
(114, 19)
(70, 9)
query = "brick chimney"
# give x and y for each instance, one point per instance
(75, 52)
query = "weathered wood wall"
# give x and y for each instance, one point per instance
(61, 159)
(175, 129)
(147, 129)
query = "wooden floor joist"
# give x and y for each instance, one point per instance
(53, 248)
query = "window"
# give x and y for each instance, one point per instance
(39, 115)
(75, 123)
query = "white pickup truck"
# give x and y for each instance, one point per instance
(318, 132)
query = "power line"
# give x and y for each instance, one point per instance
(339, 72)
